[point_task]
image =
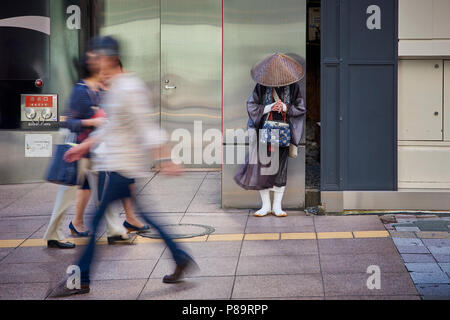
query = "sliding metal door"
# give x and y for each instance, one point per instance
(191, 73)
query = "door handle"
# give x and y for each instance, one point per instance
(170, 87)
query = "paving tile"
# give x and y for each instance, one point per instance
(433, 235)
(205, 288)
(412, 249)
(433, 225)
(400, 234)
(443, 258)
(437, 242)
(122, 270)
(286, 229)
(21, 208)
(408, 229)
(359, 263)
(354, 223)
(407, 242)
(165, 203)
(43, 255)
(22, 225)
(423, 267)
(356, 284)
(207, 204)
(229, 224)
(264, 265)
(261, 236)
(32, 272)
(10, 243)
(209, 267)
(269, 286)
(193, 239)
(135, 252)
(418, 258)
(445, 267)
(272, 221)
(221, 213)
(145, 240)
(411, 297)
(435, 277)
(371, 234)
(7, 236)
(4, 252)
(406, 220)
(334, 235)
(9, 192)
(24, 291)
(208, 250)
(111, 290)
(283, 298)
(439, 250)
(225, 237)
(279, 248)
(434, 289)
(298, 236)
(435, 298)
(357, 246)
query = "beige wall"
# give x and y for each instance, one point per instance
(424, 28)
(423, 97)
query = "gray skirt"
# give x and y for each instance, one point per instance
(254, 175)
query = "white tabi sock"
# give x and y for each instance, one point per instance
(277, 198)
(266, 207)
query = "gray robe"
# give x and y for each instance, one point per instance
(250, 175)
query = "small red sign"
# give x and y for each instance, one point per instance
(40, 101)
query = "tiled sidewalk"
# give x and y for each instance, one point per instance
(424, 244)
(297, 257)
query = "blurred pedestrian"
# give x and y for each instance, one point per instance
(125, 144)
(83, 102)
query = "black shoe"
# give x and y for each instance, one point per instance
(187, 266)
(60, 245)
(121, 240)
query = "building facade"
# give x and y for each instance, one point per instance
(377, 87)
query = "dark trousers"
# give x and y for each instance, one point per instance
(112, 187)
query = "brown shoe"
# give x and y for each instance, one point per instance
(188, 266)
(61, 290)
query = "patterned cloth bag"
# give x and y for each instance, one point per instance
(277, 133)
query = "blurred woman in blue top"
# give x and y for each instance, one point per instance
(83, 105)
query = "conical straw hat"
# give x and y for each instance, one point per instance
(277, 70)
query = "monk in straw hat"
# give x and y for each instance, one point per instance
(278, 74)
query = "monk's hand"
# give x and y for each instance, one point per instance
(278, 107)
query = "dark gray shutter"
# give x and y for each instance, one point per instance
(359, 96)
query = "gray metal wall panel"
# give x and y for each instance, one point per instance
(359, 125)
(330, 95)
(370, 128)
(330, 135)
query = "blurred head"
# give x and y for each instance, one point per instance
(107, 46)
(108, 50)
(89, 65)
(109, 67)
